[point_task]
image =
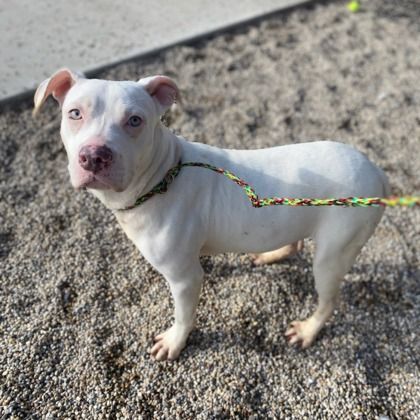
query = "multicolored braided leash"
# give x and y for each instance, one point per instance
(162, 187)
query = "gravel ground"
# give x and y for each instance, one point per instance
(79, 306)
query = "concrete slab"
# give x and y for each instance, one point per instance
(38, 37)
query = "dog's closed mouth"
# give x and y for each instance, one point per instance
(97, 183)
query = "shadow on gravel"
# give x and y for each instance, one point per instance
(375, 295)
(393, 10)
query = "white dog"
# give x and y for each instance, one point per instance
(118, 149)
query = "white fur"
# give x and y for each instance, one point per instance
(204, 213)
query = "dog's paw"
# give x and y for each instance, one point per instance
(257, 259)
(268, 257)
(169, 344)
(277, 255)
(303, 332)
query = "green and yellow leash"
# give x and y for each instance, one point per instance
(162, 187)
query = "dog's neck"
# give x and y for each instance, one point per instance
(164, 154)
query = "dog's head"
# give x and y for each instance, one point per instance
(107, 127)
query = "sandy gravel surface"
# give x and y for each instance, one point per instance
(79, 306)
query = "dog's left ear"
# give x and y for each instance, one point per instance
(57, 85)
(163, 90)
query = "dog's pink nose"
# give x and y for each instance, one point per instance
(95, 158)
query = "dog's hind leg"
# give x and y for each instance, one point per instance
(278, 254)
(334, 256)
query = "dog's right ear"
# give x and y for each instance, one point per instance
(57, 85)
(163, 90)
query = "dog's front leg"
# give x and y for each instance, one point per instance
(185, 288)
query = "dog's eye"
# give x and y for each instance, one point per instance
(134, 121)
(75, 114)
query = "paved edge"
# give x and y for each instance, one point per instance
(14, 100)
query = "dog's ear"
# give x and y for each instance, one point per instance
(163, 90)
(57, 85)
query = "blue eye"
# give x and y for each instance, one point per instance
(75, 114)
(134, 121)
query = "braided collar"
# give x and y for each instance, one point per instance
(159, 188)
(163, 185)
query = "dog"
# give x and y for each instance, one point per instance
(119, 150)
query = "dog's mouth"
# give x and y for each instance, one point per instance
(97, 182)
(94, 183)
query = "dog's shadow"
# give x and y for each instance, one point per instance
(252, 333)
(248, 338)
